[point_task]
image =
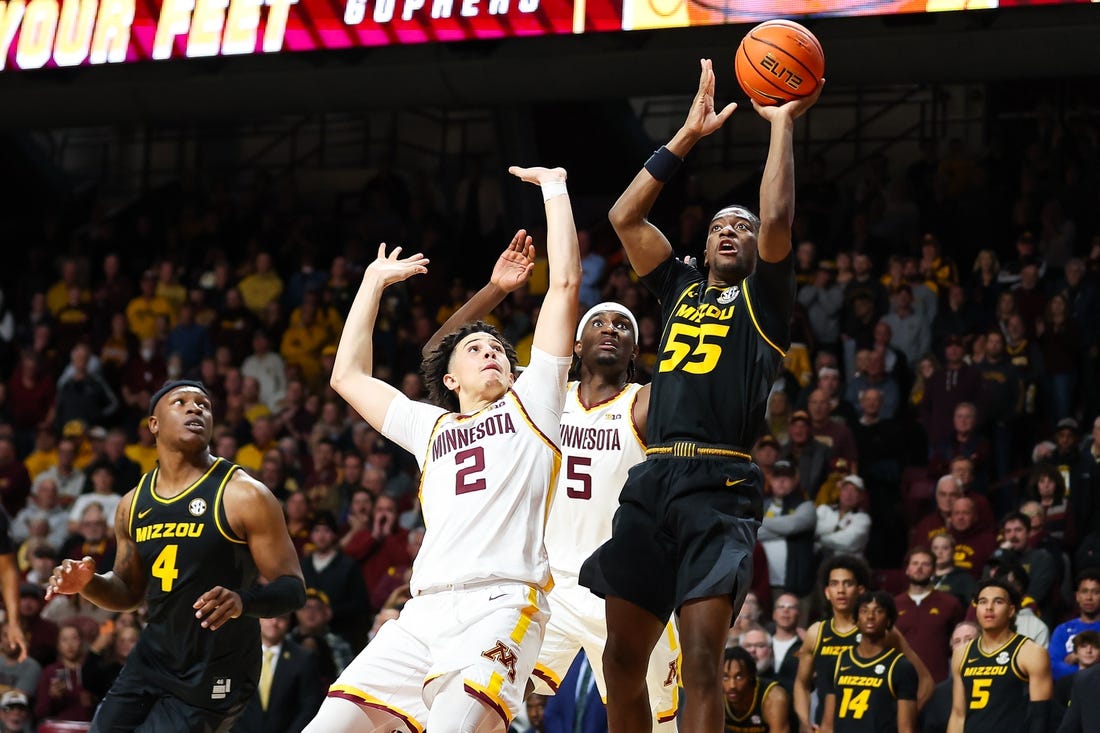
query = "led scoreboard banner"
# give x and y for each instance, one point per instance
(37, 34)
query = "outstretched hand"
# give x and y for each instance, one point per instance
(538, 175)
(702, 119)
(793, 109)
(515, 264)
(70, 577)
(392, 269)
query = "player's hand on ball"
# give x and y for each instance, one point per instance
(702, 118)
(515, 264)
(538, 175)
(216, 606)
(793, 109)
(70, 577)
(393, 268)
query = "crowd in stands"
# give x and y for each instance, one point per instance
(937, 413)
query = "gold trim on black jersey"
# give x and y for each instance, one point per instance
(752, 315)
(185, 492)
(219, 507)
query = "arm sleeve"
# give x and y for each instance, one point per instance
(410, 425)
(904, 678)
(541, 390)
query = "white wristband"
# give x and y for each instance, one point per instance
(550, 189)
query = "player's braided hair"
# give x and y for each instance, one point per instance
(883, 600)
(743, 657)
(437, 363)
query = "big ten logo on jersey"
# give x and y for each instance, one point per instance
(505, 656)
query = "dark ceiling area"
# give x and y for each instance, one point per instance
(1026, 44)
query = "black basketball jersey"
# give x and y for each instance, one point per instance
(720, 352)
(187, 547)
(996, 689)
(753, 720)
(867, 691)
(830, 645)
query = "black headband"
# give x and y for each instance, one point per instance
(175, 384)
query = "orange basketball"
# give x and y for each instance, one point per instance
(779, 60)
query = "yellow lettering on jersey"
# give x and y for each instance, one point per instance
(832, 650)
(164, 530)
(994, 671)
(856, 680)
(696, 315)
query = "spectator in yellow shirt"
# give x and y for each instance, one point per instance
(304, 338)
(262, 286)
(143, 311)
(144, 451)
(168, 287)
(44, 455)
(57, 297)
(250, 457)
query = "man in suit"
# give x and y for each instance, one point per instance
(577, 707)
(1084, 708)
(290, 690)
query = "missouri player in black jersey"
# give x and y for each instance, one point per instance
(753, 705)
(843, 578)
(686, 525)
(873, 688)
(192, 537)
(1003, 681)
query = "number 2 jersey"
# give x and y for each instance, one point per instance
(187, 547)
(599, 444)
(720, 352)
(867, 691)
(486, 480)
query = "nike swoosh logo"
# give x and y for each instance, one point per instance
(734, 483)
(493, 598)
(971, 661)
(141, 515)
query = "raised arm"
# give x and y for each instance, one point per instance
(511, 272)
(777, 183)
(352, 372)
(122, 589)
(645, 245)
(558, 319)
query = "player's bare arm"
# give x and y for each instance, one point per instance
(352, 371)
(121, 589)
(1034, 661)
(958, 693)
(804, 679)
(646, 247)
(925, 684)
(255, 515)
(828, 714)
(907, 716)
(557, 321)
(776, 710)
(510, 273)
(777, 184)
(9, 579)
(640, 412)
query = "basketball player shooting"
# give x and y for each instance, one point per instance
(688, 515)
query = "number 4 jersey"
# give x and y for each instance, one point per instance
(486, 479)
(187, 547)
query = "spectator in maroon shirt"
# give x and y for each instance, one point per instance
(973, 545)
(41, 634)
(31, 394)
(381, 546)
(61, 692)
(926, 616)
(143, 375)
(954, 382)
(964, 440)
(832, 432)
(935, 522)
(15, 482)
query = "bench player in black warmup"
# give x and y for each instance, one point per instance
(874, 687)
(191, 537)
(686, 525)
(1003, 681)
(753, 705)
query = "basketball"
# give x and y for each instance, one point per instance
(779, 60)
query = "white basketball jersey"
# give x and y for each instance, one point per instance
(485, 489)
(599, 445)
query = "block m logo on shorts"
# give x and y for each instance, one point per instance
(504, 655)
(670, 680)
